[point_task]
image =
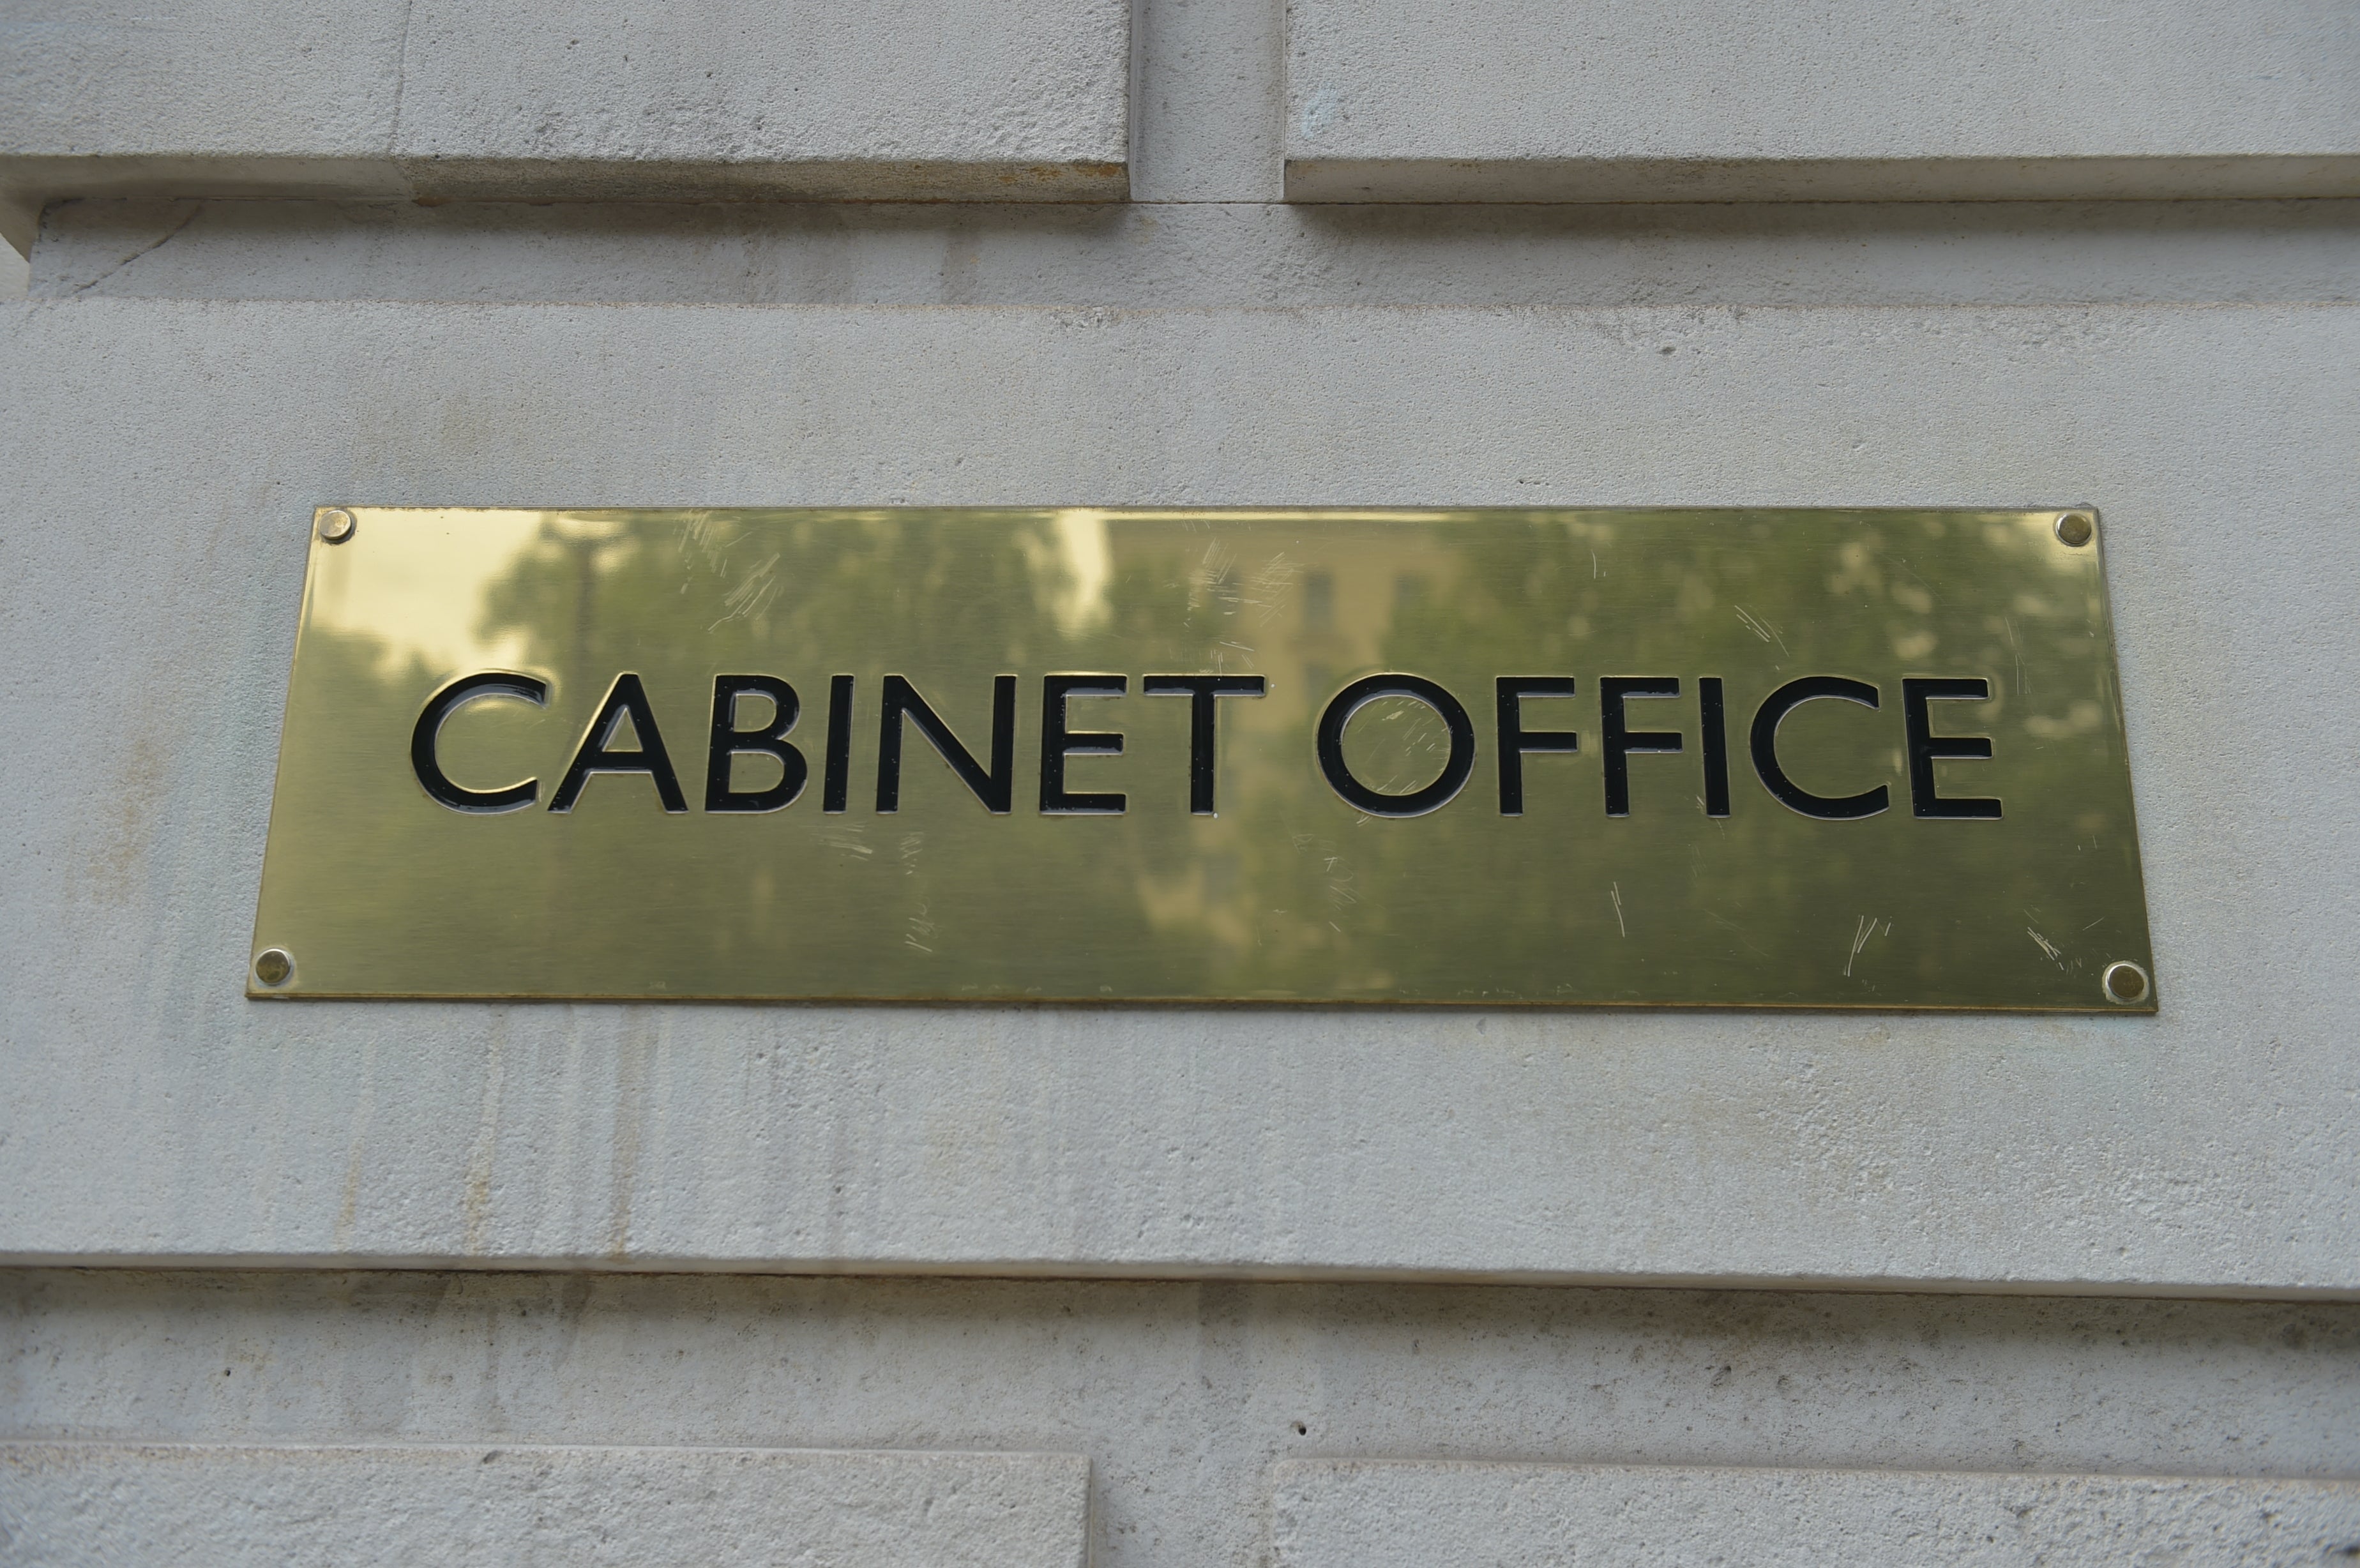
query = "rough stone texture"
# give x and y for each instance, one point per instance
(1185, 1395)
(157, 463)
(1413, 1514)
(161, 461)
(1720, 100)
(1209, 253)
(1007, 100)
(993, 99)
(1212, 101)
(68, 1504)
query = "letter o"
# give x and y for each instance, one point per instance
(1416, 802)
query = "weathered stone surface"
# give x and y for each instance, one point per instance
(1351, 1513)
(63, 1504)
(161, 461)
(1732, 100)
(1209, 253)
(997, 100)
(1000, 100)
(1187, 1395)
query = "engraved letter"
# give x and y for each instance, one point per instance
(996, 788)
(1515, 740)
(835, 778)
(428, 764)
(1926, 747)
(1620, 741)
(1833, 809)
(1057, 743)
(728, 741)
(1202, 691)
(597, 756)
(1416, 802)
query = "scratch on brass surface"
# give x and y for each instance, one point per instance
(1861, 935)
(1341, 883)
(1732, 927)
(1616, 890)
(1268, 589)
(2047, 946)
(1762, 629)
(848, 839)
(751, 596)
(1212, 578)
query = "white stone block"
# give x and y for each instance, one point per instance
(1004, 99)
(1184, 1394)
(1732, 100)
(159, 462)
(1354, 1513)
(63, 1504)
(221, 97)
(997, 100)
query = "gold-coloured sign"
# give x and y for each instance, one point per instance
(1696, 758)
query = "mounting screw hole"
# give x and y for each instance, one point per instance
(2124, 984)
(272, 967)
(2076, 529)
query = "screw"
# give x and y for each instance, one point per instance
(336, 525)
(272, 967)
(2076, 529)
(2124, 984)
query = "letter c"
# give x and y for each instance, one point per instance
(1794, 694)
(441, 706)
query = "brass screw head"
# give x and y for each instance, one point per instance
(272, 967)
(2124, 984)
(2076, 529)
(336, 525)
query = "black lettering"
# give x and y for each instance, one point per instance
(1416, 802)
(835, 763)
(1715, 725)
(1926, 747)
(425, 762)
(729, 742)
(1202, 691)
(1765, 738)
(596, 756)
(1618, 740)
(1057, 743)
(996, 786)
(1510, 690)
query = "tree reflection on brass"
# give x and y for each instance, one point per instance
(1286, 890)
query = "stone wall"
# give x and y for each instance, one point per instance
(552, 1283)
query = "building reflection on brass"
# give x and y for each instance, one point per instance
(1710, 757)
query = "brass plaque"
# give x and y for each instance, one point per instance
(1693, 758)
